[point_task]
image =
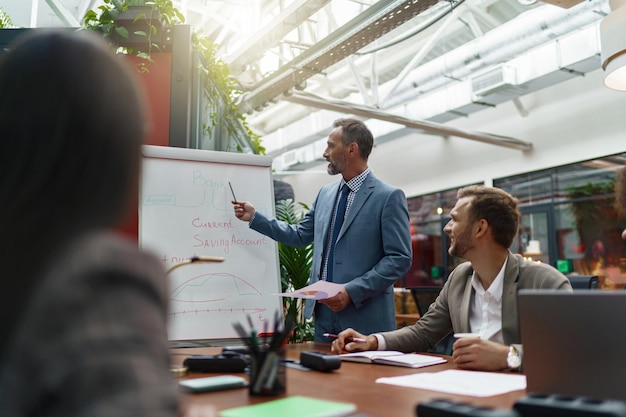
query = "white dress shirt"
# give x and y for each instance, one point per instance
(486, 308)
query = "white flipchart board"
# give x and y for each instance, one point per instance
(185, 211)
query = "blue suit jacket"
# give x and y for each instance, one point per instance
(373, 249)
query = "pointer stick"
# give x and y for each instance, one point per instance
(232, 192)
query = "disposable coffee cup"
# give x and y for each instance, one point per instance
(466, 335)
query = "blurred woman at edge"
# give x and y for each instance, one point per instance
(82, 311)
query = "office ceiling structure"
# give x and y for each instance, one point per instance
(397, 64)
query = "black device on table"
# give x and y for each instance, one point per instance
(227, 361)
(320, 361)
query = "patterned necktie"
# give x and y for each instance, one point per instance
(339, 215)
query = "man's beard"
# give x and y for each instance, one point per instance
(334, 167)
(462, 244)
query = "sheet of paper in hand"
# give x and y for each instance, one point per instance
(321, 290)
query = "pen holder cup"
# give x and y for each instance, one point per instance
(267, 373)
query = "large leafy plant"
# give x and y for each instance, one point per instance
(295, 268)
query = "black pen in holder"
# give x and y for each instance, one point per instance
(267, 360)
(267, 372)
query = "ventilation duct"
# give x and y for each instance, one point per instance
(493, 81)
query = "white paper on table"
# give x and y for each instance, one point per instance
(321, 290)
(452, 381)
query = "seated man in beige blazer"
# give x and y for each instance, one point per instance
(480, 295)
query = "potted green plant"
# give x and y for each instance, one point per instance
(135, 26)
(141, 27)
(295, 268)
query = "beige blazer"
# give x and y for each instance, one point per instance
(450, 311)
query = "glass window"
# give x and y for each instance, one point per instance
(431, 262)
(569, 218)
(425, 242)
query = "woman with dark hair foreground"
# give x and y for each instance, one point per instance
(82, 311)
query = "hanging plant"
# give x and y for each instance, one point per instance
(221, 85)
(141, 27)
(135, 26)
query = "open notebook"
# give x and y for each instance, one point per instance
(392, 357)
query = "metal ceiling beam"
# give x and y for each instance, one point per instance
(34, 13)
(423, 51)
(63, 14)
(377, 20)
(429, 127)
(267, 37)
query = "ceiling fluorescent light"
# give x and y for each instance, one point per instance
(613, 46)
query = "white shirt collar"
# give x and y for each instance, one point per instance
(496, 287)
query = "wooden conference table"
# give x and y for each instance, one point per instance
(352, 382)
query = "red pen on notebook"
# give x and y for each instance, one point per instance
(348, 339)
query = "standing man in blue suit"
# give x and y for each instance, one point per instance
(373, 245)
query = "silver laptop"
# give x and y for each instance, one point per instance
(574, 343)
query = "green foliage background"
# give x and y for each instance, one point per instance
(295, 268)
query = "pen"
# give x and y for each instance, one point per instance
(232, 192)
(348, 339)
(272, 360)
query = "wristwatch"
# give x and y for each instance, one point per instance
(513, 359)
